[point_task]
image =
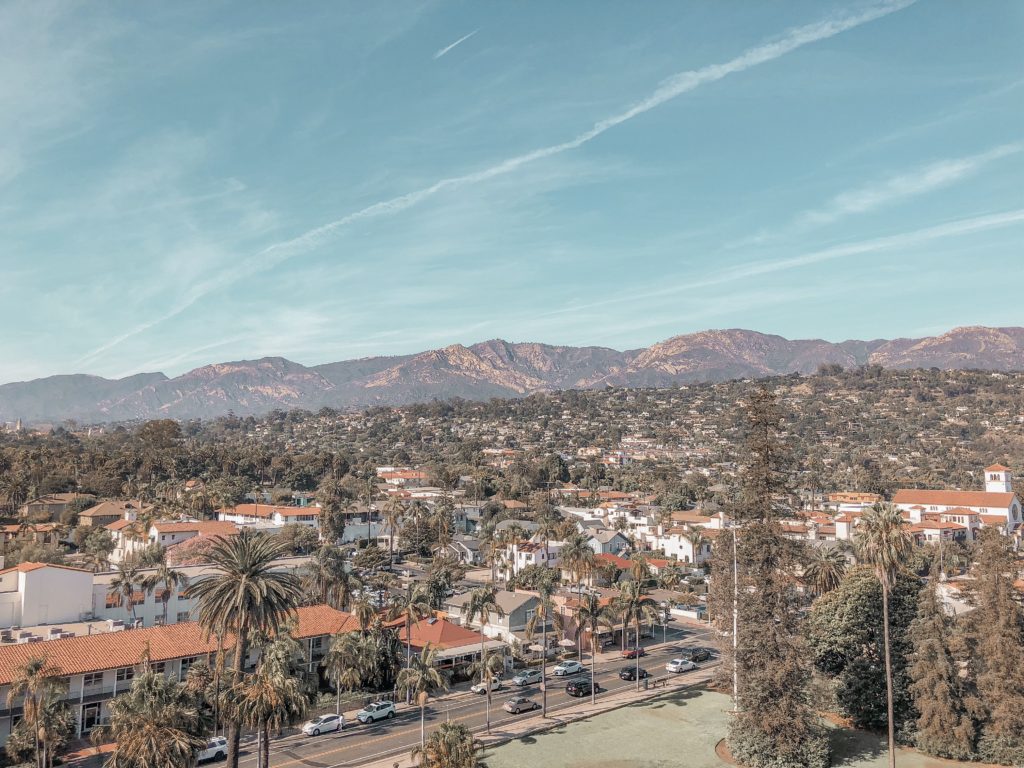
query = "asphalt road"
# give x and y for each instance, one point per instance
(358, 743)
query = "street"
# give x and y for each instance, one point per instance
(358, 744)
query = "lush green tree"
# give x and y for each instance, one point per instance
(591, 615)
(327, 579)
(882, 541)
(452, 745)
(637, 607)
(824, 569)
(420, 679)
(943, 726)
(57, 728)
(346, 663)
(168, 580)
(126, 581)
(845, 638)
(246, 595)
(411, 606)
(995, 635)
(39, 688)
(158, 723)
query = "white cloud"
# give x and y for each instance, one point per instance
(460, 41)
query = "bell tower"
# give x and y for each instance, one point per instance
(998, 479)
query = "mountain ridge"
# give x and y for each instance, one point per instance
(493, 368)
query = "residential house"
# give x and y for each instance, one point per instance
(518, 608)
(107, 512)
(51, 506)
(279, 515)
(466, 549)
(607, 541)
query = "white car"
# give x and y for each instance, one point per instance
(567, 668)
(494, 685)
(378, 710)
(527, 677)
(216, 749)
(323, 724)
(680, 665)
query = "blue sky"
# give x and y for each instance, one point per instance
(183, 183)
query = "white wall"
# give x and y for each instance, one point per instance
(54, 596)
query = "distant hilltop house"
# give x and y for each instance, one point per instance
(280, 515)
(998, 505)
(107, 512)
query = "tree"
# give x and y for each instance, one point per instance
(483, 601)
(591, 615)
(37, 685)
(995, 637)
(635, 606)
(394, 511)
(490, 665)
(245, 595)
(345, 663)
(943, 727)
(158, 723)
(759, 608)
(56, 728)
(170, 579)
(543, 616)
(845, 638)
(418, 681)
(327, 579)
(273, 696)
(412, 606)
(452, 745)
(824, 569)
(123, 585)
(881, 540)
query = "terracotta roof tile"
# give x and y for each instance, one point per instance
(954, 498)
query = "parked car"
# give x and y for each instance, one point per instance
(323, 724)
(377, 710)
(568, 668)
(527, 677)
(518, 704)
(629, 673)
(680, 665)
(632, 653)
(481, 687)
(695, 654)
(581, 687)
(216, 749)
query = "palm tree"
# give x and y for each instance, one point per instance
(245, 596)
(591, 615)
(158, 724)
(272, 697)
(639, 569)
(696, 539)
(491, 666)
(824, 569)
(635, 606)
(483, 601)
(881, 540)
(170, 579)
(327, 578)
(419, 680)
(412, 606)
(35, 683)
(393, 513)
(543, 615)
(124, 582)
(364, 610)
(577, 557)
(344, 663)
(452, 745)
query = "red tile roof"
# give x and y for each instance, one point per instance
(955, 498)
(440, 633)
(202, 527)
(28, 567)
(267, 511)
(997, 468)
(112, 650)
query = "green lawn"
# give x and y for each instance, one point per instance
(680, 729)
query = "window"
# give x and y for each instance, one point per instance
(186, 665)
(184, 616)
(138, 598)
(159, 667)
(92, 679)
(316, 643)
(125, 674)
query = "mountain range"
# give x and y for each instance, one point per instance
(489, 369)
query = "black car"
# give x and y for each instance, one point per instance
(695, 654)
(629, 673)
(581, 687)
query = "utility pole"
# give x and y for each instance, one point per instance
(735, 622)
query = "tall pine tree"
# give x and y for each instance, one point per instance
(773, 726)
(995, 634)
(943, 726)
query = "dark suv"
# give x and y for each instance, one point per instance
(581, 687)
(695, 654)
(629, 673)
